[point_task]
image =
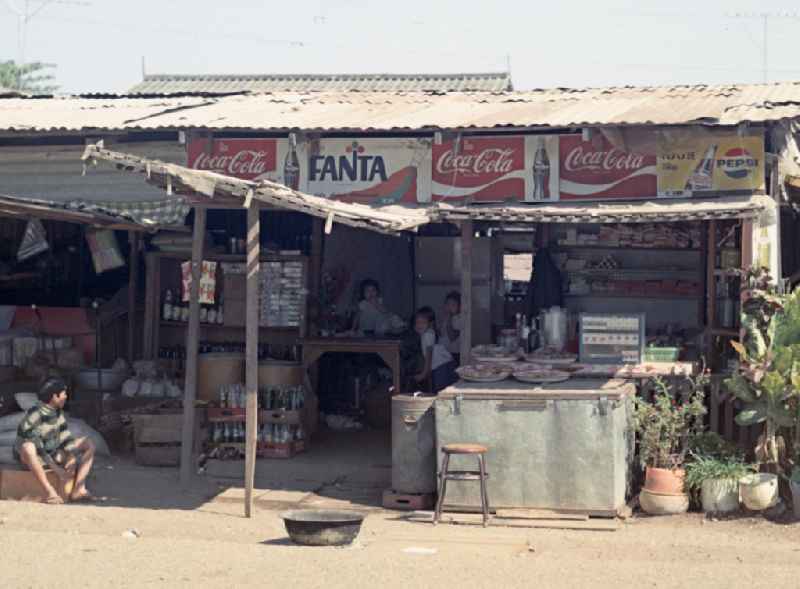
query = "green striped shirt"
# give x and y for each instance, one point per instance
(47, 429)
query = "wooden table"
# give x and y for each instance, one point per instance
(387, 349)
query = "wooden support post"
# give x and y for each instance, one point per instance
(251, 353)
(152, 309)
(315, 272)
(466, 291)
(711, 290)
(192, 341)
(747, 244)
(133, 279)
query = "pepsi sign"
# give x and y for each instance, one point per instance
(737, 163)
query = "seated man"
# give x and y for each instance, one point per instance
(43, 439)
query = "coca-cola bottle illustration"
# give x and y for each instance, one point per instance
(541, 173)
(291, 166)
(702, 178)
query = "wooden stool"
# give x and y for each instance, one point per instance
(463, 475)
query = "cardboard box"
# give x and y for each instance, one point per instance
(17, 483)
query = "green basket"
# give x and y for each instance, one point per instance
(653, 354)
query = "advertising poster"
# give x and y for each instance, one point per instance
(248, 159)
(366, 170)
(481, 169)
(704, 162)
(596, 170)
(541, 165)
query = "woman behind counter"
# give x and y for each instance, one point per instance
(372, 317)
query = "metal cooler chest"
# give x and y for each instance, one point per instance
(566, 446)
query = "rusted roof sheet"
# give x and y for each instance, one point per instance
(382, 111)
(464, 82)
(664, 210)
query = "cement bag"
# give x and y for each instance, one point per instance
(9, 423)
(78, 428)
(7, 455)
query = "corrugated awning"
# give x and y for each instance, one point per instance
(664, 210)
(212, 188)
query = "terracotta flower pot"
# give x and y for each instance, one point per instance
(663, 504)
(665, 481)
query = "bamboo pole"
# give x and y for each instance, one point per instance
(192, 341)
(466, 291)
(251, 353)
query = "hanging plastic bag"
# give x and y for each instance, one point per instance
(105, 250)
(34, 241)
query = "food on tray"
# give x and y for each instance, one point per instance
(551, 356)
(484, 372)
(493, 354)
(540, 376)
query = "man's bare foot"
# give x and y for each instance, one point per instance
(54, 500)
(82, 496)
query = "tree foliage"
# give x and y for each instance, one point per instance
(34, 77)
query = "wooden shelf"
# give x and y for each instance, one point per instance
(723, 331)
(624, 248)
(631, 296)
(216, 326)
(218, 257)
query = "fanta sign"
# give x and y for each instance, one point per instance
(355, 166)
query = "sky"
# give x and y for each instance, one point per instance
(100, 45)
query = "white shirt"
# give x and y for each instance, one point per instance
(370, 318)
(439, 356)
(452, 346)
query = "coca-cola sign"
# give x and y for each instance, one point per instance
(248, 159)
(596, 169)
(480, 168)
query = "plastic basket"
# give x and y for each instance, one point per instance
(653, 354)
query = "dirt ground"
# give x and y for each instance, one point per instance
(150, 532)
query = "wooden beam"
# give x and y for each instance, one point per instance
(133, 279)
(192, 341)
(251, 353)
(466, 291)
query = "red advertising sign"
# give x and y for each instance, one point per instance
(482, 168)
(248, 159)
(595, 169)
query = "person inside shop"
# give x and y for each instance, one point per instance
(44, 440)
(450, 333)
(372, 317)
(437, 363)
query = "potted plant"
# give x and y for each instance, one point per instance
(665, 426)
(767, 380)
(716, 479)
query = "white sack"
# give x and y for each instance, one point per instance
(78, 428)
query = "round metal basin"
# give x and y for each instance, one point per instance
(323, 527)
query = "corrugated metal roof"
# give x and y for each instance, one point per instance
(658, 210)
(377, 111)
(464, 82)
